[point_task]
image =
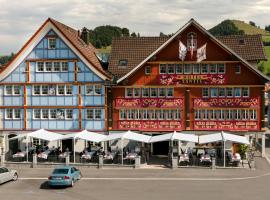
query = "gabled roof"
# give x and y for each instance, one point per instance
(86, 52)
(149, 55)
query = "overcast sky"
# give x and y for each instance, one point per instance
(19, 19)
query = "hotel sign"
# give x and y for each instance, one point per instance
(177, 79)
(150, 125)
(149, 103)
(226, 102)
(227, 125)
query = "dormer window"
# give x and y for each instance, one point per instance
(51, 43)
(122, 63)
(191, 41)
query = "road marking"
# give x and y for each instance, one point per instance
(159, 178)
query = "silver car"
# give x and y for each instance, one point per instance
(7, 175)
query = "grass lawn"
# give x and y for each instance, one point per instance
(266, 64)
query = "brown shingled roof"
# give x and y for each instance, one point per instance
(251, 49)
(88, 51)
(132, 49)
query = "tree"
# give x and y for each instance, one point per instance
(162, 34)
(227, 27)
(5, 59)
(125, 32)
(133, 34)
(267, 28)
(252, 23)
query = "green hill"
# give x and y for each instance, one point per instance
(249, 29)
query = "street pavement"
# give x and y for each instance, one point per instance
(125, 184)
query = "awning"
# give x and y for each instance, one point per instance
(215, 137)
(128, 135)
(85, 135)
(235, 138)
(174, 136)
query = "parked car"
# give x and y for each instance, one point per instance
(64, 176)
(7, 175)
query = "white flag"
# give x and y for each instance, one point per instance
(182, 51)
(201, 53)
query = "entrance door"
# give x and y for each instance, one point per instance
(67, 144)
(13, 144)
(161, 148)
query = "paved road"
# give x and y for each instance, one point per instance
(125, 184)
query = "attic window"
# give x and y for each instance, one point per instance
(122, 63)
(51, 43)
(192, 41)
(241, 41)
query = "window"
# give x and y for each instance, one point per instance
(253, 114)
(229, 92)
(204, 68)
(8, 90)
(45, 89)
(244, 114)
(148, 70)
(191, 41)
(162, 69)
(197, 114)
(238, 69)
(60, 114)
(237, 92)
(196, 68)
(89, 89)
(245, 92)
(205, 92)
(122, 63)
(187, 69)
(179, 69)
(97, 89)
(213, 68)
(52, 90)
(162, 92)
(97, 113)
(45, 114)
(123, 114)
(53, 114)
(153, 92)
(52, 43)
(36, 90)
(9, 113)
(161, 115)
(214, 92)
(222, 115)
(137, 114)
(145, 92)
(221, 92)
(145, 114)
(137, 92)
(69, 114)
(16, 90)
(153, 114)
(170, 68)
(229, 114)
(169, 92)
(69, 90)
(130, 114)
(40, 66)
(129, 92)
(89, 114)
(56, 66)
(37, 113)
(48, 66)
(204, 114)
(212, 114)
(177, 114)
(60, 89)
(221, 68)
(64, 66)
(237, 114)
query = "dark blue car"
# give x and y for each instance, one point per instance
(64, 176)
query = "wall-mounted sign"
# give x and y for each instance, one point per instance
(226, 102)
(150, 125)
(149, 103)
(227, 125)
(176, 79)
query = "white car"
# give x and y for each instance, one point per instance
(7, 175)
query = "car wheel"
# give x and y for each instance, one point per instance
(72, 183)
(15, 177)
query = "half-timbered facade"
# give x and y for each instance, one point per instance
(159, 89)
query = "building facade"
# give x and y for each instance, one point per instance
(157, 91)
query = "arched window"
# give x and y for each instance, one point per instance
(191, 41)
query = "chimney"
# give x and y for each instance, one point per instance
(85, 35)
(79, 33)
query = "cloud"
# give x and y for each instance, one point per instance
(19, 19)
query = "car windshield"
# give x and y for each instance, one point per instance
(60, 171)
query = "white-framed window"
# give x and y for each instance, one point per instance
(145, 92)
(89, 89)
(253, 114)
(205, 92)
(191, 41)
(229, 92)
(221, 92)
(145, 114)
(197, 115)
(229, 114)
(238, 69)
(237, 92)
(161, 115)
(56, 67)
(45, 113)
(36, 114)
(212, 114)
(52, 43)
(40, 66)
(98, 113)
(162, 92)
(137, 114)
(123, 114)
(130, 114)
(171, 69)
(60, 114)
(204, 68)
(222, 115)
(36, 90)
(245, 114)
(64, 66)
(179, 69)
(221, 68)
(48, 66)
(213, 68)
(245, 92)
(69, 90)
(237, 114)
(162, 69)
(98, 89)
(137, 92)
(16, 113)
(187, 68)
(90, 114)
(53, 114)
(60, 89)
(9, 113)
(147, 70)
(8, 90)
(177, 114)
(129, 92)
(170, 114)
(69, 113)
(204, 114)
(153, 92)
(214, 92)
(196, 69)
(16, 90)
(153, 114)
(44, 89)
(169, 92)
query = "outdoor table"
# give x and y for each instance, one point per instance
(63, 155)
(183, 158)
(131, 156)
(44, 154)
(19, 155)
(205, 159)
(109, 156)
